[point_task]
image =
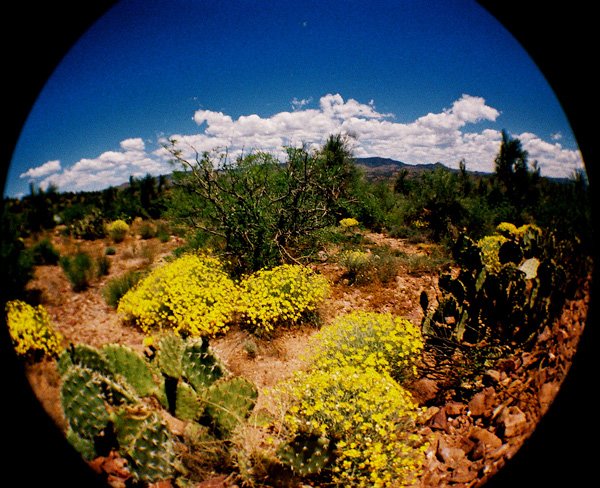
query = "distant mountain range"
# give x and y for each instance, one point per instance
(377, 161)
(376, 167)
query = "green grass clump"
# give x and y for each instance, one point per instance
(44, 252)
(78, 269)
(114, 290)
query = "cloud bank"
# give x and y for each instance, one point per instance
(442, 136)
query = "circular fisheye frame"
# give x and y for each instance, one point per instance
(341, 244)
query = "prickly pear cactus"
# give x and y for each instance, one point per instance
(229, 402)
(188, 404)
(137, 373)
(105, 395)
(168, 357)
(200, 366)
(82, 400)
(146, 442)
(306, 454)
(85, 356)
(84, 446)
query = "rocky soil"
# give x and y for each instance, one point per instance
(469, 440)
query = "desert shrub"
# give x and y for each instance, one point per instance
(286, 294)
(117, 230)
(349, 223)
(44, 252)
(369, 339)
(16, 261)
(358, 265)
(31, 330)
(147, 230)
(434, 258)
(507, 229)
(110, 251)
(118, 286)
(260, 209)
(90, 226)
(162, 232)
(370, 419)
(365, 267)
(102, 265)
(191, 295)
(78, 269)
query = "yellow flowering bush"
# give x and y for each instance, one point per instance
(370, 418)
(31, 330)
(359, 265)
(191, 295)
(117, 230)
(525, 236)
(507, 229)
(381, 341)
(490, 246)
(281, 295)
(529, 228)
(348, 223)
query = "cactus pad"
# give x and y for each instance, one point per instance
(149, 449)
(82, 400)
(200, 366)
(170, 351)
(188, 405)
(305, 454)
(229, 402)
(132, 367)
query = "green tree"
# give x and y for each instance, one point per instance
(259, 208)
(16, 262)
(516, 185)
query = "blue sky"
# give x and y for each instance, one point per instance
(417, 81)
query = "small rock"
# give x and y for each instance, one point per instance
(216, 482)
(500, 452)
(454, 408)
(492, 376)
(545, 335)
(546, 395)
(512, 422)
(507, 365)
(161, 484)
(424, 390)
(116, 481)
(483, 403)
(463, 475)
(486, 437)
(485, 442)
(440, 421)
(429, 414)
(448, 454)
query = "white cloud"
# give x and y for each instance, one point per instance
(437, 136)
(440, 136)
(109, 168)
(41, 171)
(299, 104)
(133, 144)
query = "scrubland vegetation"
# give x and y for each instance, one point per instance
(254, 237)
